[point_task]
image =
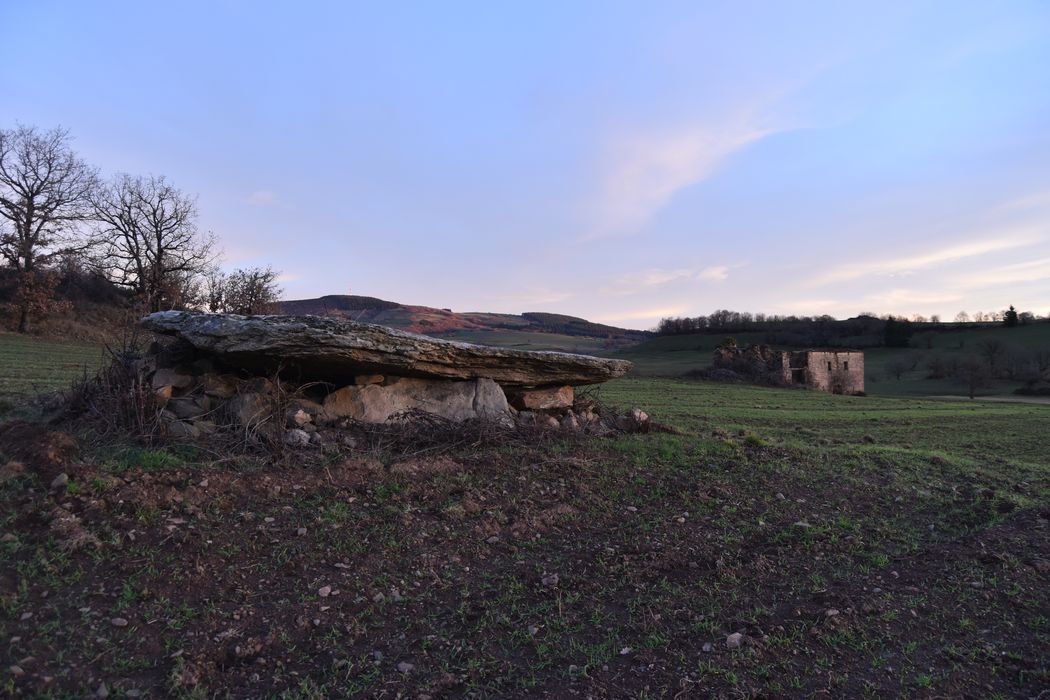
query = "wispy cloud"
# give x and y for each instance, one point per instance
(995, 242)
(635, 282)
(716, 273)
(263, 198)
(647, 169)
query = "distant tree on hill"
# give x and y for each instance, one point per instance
(45, 191)
(148, 240)
(1025, 317)
(896, 367)
(962, 317)
(897, 333)
(248, 292)
(1010, 317)
(972, 373)
(992, 350)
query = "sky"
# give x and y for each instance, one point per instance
(617, 161)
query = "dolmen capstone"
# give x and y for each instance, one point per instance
(225, 367)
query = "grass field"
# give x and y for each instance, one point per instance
(859, 547)
(33, 365)
(673, 356)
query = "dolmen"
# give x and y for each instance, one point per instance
(304, 374)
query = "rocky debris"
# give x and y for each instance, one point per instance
(205, 383)
(734, 640)
(336, 350)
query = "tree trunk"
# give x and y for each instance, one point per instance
(23, 321)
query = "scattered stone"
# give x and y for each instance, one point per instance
(301, 531)
(188, 407)
(378, 598)
(734, 640)
(102, 691)
(25, 616)
(550, 580)
(8, 537)
(180, 429)
(625, 651)
(16, 670)
(405, 667)
(324, 591)
(249, 408)
(118, 622)
(299, 418)
(492, 540)
(170, 378)
(296, 438)
(569, 422)
(60, 481)
(780, 496)
(533, 630)
(831, 612)
(218, 386)
(707, 648)
(163, 395)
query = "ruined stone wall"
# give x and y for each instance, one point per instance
(836, 372)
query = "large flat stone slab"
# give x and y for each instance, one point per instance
(336, 350)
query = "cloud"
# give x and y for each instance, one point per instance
(995, 242)
(648, 169)
(263, 198)
(714, 274)
(635, 282)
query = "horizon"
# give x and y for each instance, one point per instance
(591, 160)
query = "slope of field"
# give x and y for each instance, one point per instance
(791, 544)
(33, 365)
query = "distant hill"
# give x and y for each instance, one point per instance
(444, 322)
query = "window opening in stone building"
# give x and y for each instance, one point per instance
(845, 365)
(829, 366)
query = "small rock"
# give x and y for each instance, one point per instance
(405, 667)
(377, 656)
(550, 580)
(632, 509)
(102, 692)
(533, 630)
(780, 496)
(625, 651)
(707, 648)
(8, 537)
(492, 540)
(734, 640)
(378, 598)
(831, 612)
(60, 481)
(324, 591)
(297, 438)
(118, 622)
(301, 531)
(16, 670)
(25, 616)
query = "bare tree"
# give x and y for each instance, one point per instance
(148, 239)
(962, 317)
(896, 367)
(972, 373)
(45, 192)
(992, 350)
(249, 291)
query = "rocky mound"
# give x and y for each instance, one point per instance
(303, 377)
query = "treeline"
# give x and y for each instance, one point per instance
(62, 223)
(864, 330)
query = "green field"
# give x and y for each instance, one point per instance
(31, 365)
(854, 546)
(673, 356)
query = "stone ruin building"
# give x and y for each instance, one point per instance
(833, 371)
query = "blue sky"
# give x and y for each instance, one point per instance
(618, 161)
